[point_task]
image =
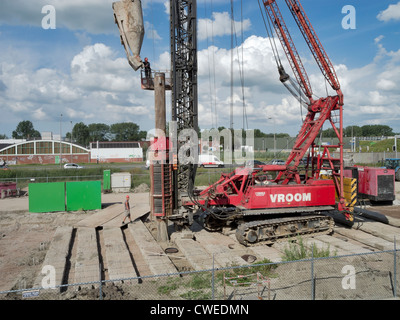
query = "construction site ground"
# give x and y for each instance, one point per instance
(82, 246)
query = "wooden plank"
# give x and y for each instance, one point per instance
(264, 252)
(151, 251)
(195, 254)
(351, 248)
(227, 252)
(56, 258)
(380, 230)
(87, 268)
(366, 238)
(119, 262)
(101, 217)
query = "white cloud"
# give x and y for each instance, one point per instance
(100, 87)
(96, 68)
(369, 92)
(220, 25)
(391, 13)
(264, 95)
(39, 114)
(372, 109)
(167, 7)
(92, 16)
(384, 84)
(151, 33)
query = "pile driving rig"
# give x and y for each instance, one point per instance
(270, 202)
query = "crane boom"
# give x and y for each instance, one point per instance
(315, 45)
(319, 111)
(272, 9)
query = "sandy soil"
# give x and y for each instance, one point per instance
(25, 238)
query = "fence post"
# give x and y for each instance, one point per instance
(312, 274)
(212, 279)
(100, 284)
(395, 269)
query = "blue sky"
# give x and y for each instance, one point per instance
(80, 68)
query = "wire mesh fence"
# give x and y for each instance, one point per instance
(365, 276)
(204, 177)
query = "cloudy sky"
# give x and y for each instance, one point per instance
(80, 70)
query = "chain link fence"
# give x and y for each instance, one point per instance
(205, 177)
(373, 275)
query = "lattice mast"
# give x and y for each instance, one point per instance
(184, 88)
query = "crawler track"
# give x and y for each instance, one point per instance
(273, 230)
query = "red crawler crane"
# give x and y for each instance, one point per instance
(265, 209)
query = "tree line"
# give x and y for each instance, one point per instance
(128, 131)
(373, 130)
(84, 134)
(124, 131)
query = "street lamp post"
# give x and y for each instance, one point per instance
(70, 137)
(60, 142)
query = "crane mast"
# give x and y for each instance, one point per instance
(184, 91)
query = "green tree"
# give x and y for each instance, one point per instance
(25, 130)
(329, 133)
(376, 130)
(80, 133)
(127, 131)
(98, 131)
(353, 131)
(259, 134)
(3, 136)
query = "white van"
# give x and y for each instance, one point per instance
(209, 160)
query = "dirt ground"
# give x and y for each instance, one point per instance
(25, 238)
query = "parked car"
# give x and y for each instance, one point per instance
(72, 166)
(254, 163)
(303, 161)
(3, 165)
(278, 161)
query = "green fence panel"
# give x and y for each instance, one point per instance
(47, 197)
(83, 195)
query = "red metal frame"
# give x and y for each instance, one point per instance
(159, 150)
